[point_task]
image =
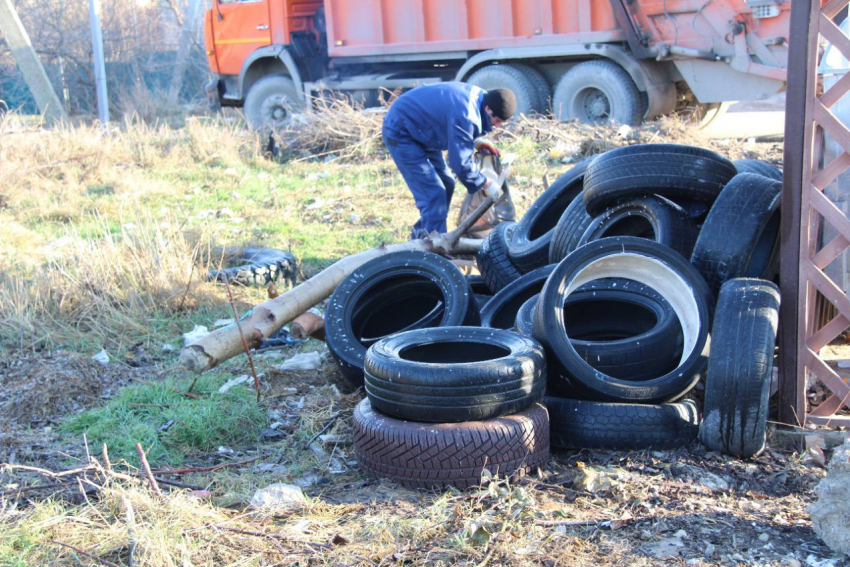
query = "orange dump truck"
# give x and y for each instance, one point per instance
(596, 60)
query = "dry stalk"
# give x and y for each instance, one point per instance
(244, 342)
(147, 469)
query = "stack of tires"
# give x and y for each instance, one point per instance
(633, 277)
(445, 398)
(616, 270)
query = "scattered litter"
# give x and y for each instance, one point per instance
(223, 322)
(271, 434)
(666, 548)
(222, 450)
(195, 335)
(101, 357)
(234, 382)
(166, 427)
(713, 482)
(334, 439)
(278, 496)
(302, 361)
(813, 561)
(309, 480)
(168, 348)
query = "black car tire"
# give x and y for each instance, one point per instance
(256, 266)
(569, 230)
(655, 218)
(453, 374)
(737, 384)
(740, 236)
(359, 307)
(578, 424)
(442, 455)
(500, 312)
(758, 167)
(493, 260)
(670, 170)
(621, 327)
(649, 263)
(528, 247)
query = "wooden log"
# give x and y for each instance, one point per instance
(308, 325)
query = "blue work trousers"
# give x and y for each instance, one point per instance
(428, 177)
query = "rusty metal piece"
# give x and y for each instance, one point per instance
(805, 208)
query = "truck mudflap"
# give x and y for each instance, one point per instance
(212, 93)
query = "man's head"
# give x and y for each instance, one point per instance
(500, 105)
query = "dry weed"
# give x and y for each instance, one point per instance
(116, 285)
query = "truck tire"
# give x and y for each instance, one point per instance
(569, 230)
(529, 245)
(442, 455)
(372, 303)
(256, 266)
(508, 77)
(759, 167)
(493, 260)
(541, 85)
(669, 170)
(655, 218)
(622, 328)
(737, 384)
(271, 102)
(577, 424)
(646, 262)
(454, 374)
(597, 92)
(500, 312)
(740, 236)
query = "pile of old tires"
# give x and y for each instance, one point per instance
(636, 276)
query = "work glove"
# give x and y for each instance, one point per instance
(493, 187)
(484, 145)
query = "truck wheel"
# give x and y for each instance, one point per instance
(597, 92)
(541, 85)
(271, 102)
(508, 77)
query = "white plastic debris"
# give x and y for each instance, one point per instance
(167, 347)
(101, 357)
(302, 361)
(277, 496)
(196, 334)
(234, 382)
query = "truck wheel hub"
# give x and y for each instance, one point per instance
(276, 109)
(595, 105)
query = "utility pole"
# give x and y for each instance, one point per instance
(29, 64)
(99, 65)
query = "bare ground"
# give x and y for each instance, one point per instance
(679, 507)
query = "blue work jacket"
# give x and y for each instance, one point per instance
(444, 116)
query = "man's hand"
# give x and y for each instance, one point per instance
(484, 146)
(492, 189)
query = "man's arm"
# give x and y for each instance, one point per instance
(461, 143)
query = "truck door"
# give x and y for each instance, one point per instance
(239, 27)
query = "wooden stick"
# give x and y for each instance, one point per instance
(84, 554)
(207, 469)
(147, 468)
(327, 426)
(242, 336)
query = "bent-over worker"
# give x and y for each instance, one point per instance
(429, 119)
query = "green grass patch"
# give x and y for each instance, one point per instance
(137, 413)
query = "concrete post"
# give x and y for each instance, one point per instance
(29, 64)
(99, 65)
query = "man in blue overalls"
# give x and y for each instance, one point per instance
(427, 120)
